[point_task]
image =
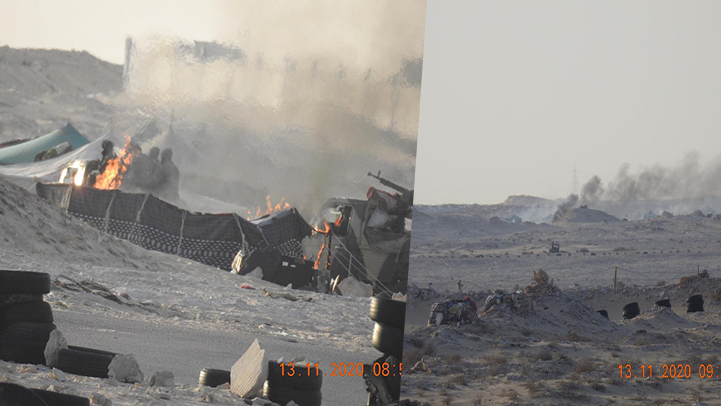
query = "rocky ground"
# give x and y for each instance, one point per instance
(561, 352)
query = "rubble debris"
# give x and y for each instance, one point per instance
(124, 368)
(350, 286)
(163, 379)
(249, 373)
(55, 343)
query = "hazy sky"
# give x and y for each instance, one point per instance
(515, 92)
(347, 30)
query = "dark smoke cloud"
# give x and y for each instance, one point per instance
(687, 180)
(564, 207)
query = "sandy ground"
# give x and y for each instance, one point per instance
(561, 352)
(176, 314)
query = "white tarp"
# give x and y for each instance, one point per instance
(28, 174)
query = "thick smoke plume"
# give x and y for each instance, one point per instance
(564, 207)
(303, 100)
(687, 180)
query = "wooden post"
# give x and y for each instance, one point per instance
(615, 272)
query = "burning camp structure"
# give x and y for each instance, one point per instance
(365, 239)
(211, 239)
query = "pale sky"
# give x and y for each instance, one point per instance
(515, 92)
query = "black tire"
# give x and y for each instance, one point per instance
(84, 363)
(664, 303)
(10, 298)
(213, 377)
(630, 315)
(60, 399)
(16, 395)
(694, 308)
(34, 312)
(631, 310)
(393, 380)
(24, 282)
(27, 331)
(300, 380)
(282, 395)
(390, 312)
(388, 340)
(603, 313)
(22, 352)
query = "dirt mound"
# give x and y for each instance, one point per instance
(33, 226)
(53, 85)
(525, 200)
(581, 215)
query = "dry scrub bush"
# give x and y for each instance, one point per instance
(584, 366)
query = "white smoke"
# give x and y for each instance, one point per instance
(311, 97)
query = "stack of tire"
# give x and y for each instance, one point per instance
(303, 387)
(631, 310)
(390, 318)
(663, 303)
(694, 304)
(26, 321)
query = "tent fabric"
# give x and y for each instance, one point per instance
(284, 230)
(143, 219)
(26, 151)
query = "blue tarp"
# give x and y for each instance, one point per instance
(25, 152)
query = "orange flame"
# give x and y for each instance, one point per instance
(112, 176)
(325, 231)
(270, 208)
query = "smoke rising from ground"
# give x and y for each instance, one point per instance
(312, 97)
(687, 180)
(564, 207)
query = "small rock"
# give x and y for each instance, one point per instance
(262, 402)
(98, 399)
(58, 375)
(163, 379)
(125, 368)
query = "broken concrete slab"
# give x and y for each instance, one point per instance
(250, 372)
(56, 342)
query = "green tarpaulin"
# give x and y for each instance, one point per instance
(25, 152)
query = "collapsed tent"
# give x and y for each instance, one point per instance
(27, 151)
(143, 219)
(281, 259)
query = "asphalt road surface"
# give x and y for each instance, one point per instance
(186, 350)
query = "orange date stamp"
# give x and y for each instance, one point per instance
(669, 371)
(343, 369)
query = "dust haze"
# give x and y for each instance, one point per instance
(313, 96)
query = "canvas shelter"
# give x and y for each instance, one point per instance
(26, 151)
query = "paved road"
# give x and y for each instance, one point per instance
(186, 350)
